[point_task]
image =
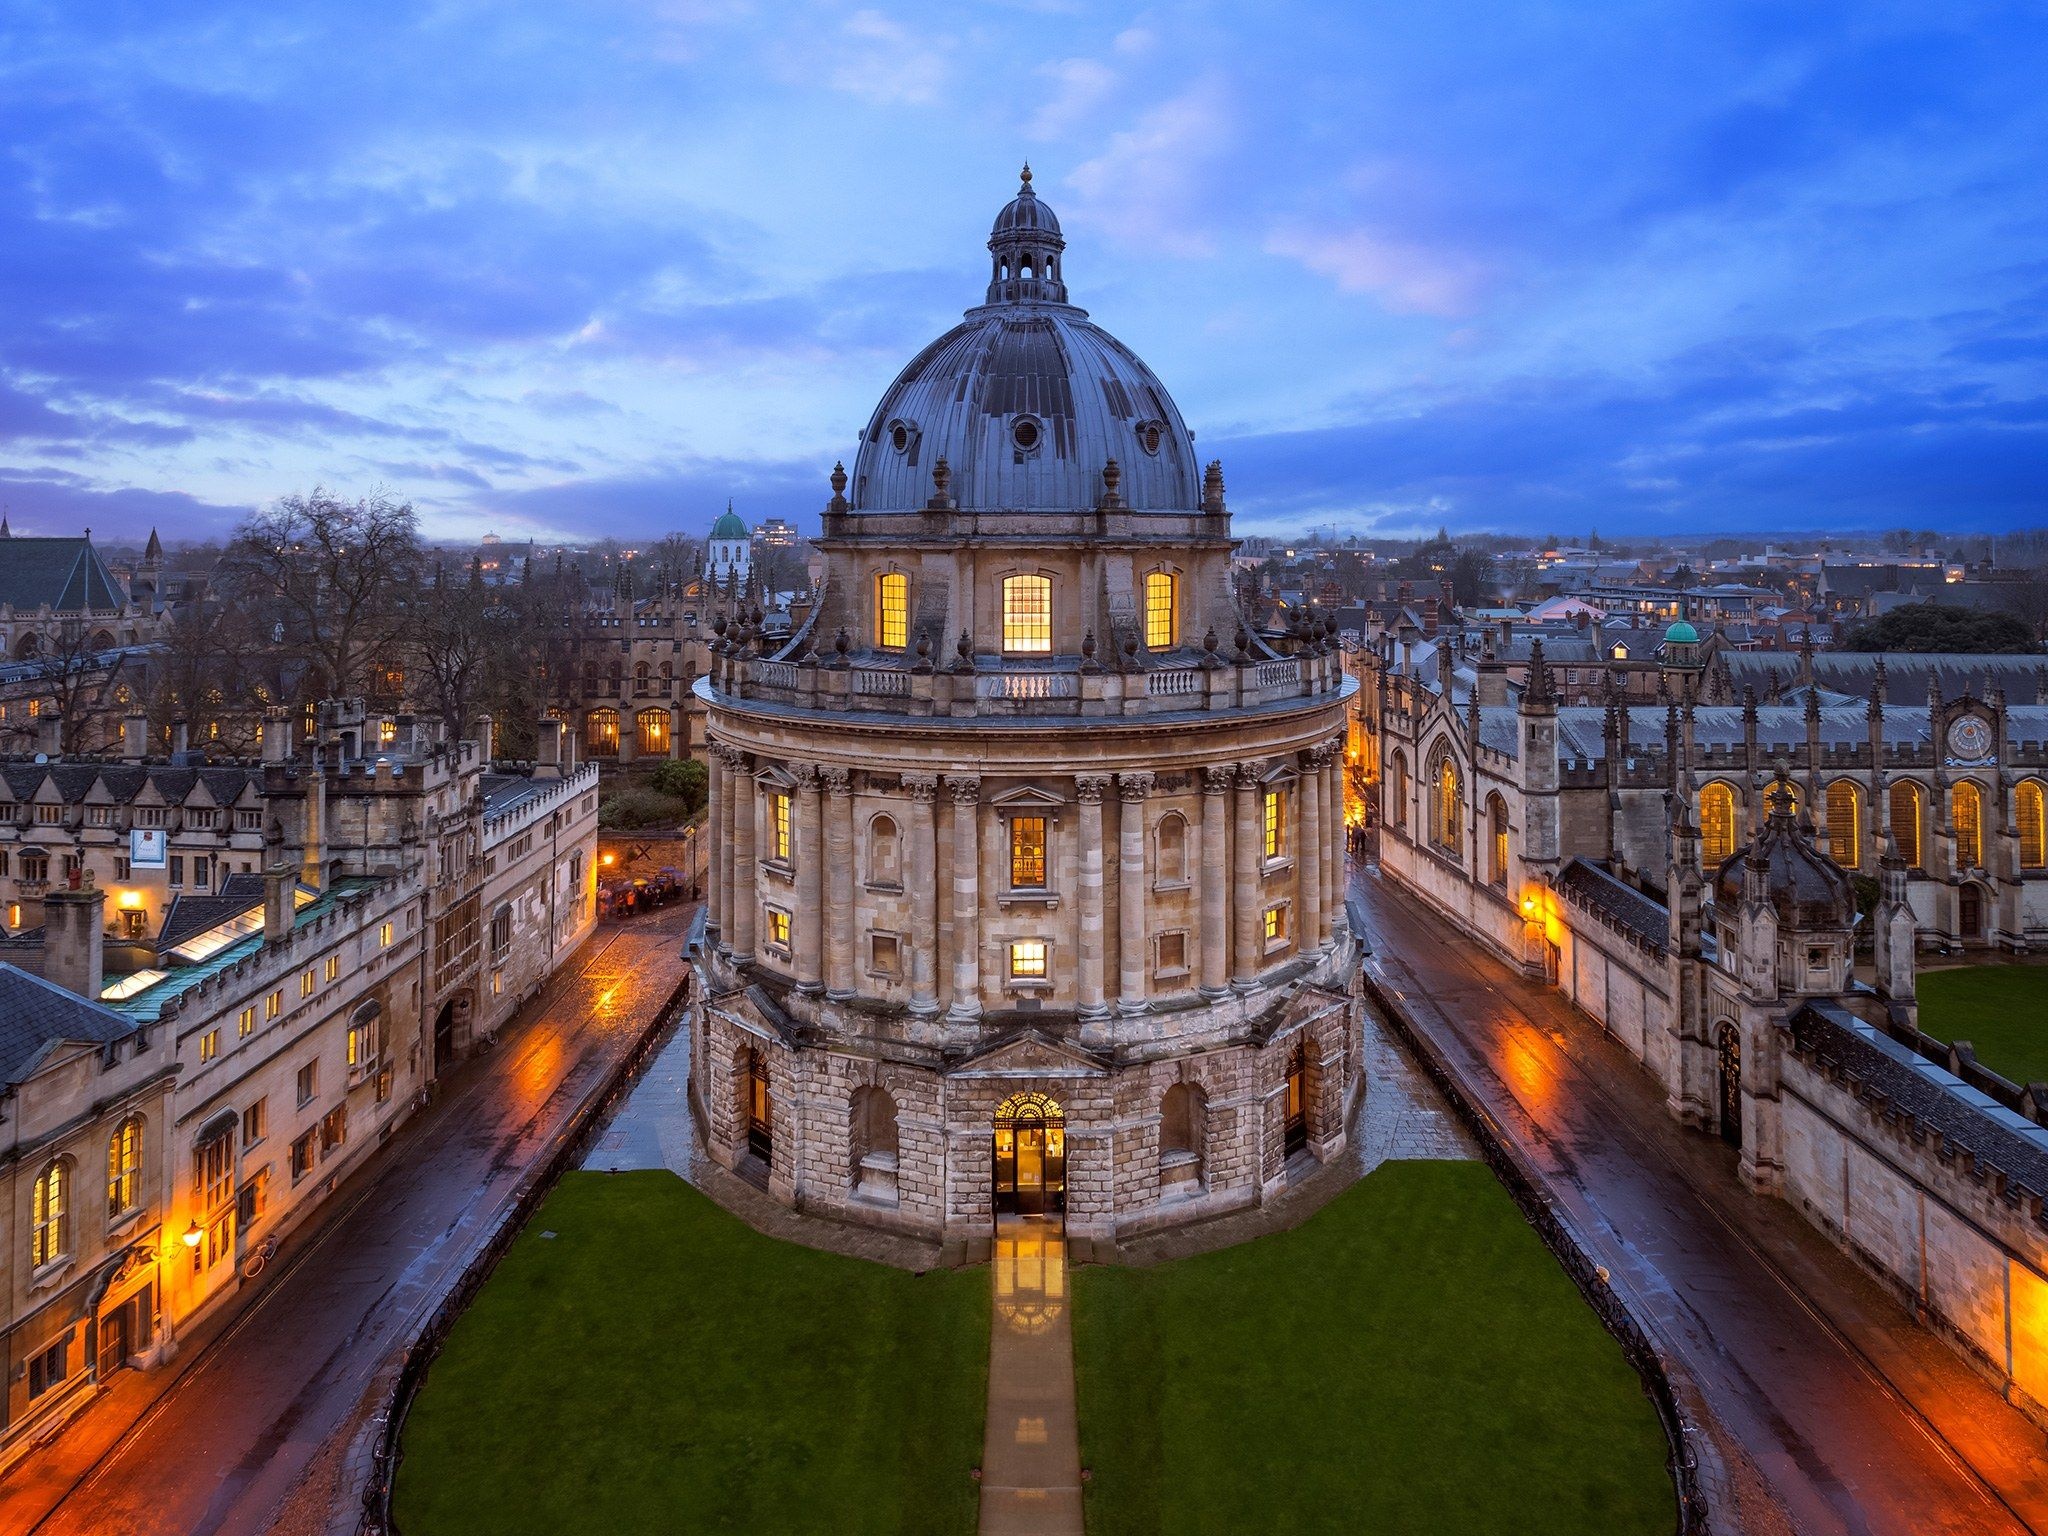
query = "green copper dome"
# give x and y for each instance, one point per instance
(1681, 633)
(729, 526)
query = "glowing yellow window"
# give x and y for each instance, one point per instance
(653, 725)
(384, 933)
(2032, 816)
(245, 1022)
(1276, 824)
(1969, 819)
(1027, 852)
(1162, 610)
(305, 983)
(1027, 958)
(892, 610)
(209, 1045)
(778, 837)
(778, 927)
(333, 967)
(1717, 823)
(1027, 614)
(1845, 832)
(1906, 821)
(273, 1005)
(1276, 924)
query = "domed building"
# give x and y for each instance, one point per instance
(1027, 892)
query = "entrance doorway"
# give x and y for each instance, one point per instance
(1970, 913)
(1295, 1136)
(1030, 1148)
(444, 1037)
(760, 1109)
(114, 1347)
(1730, 1053)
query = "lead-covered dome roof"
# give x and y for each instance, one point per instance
(1808, 889)
(1026, 399)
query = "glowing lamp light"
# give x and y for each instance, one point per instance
(132, 900)
(608, 859)
(192, 1235)
(1529, 905)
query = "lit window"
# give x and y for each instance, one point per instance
(1717, 823)
(1845, 833)
(1276, 924)
(1448, 813)
(1276, 824)
(778, 928)
(333, 967)
(892, 610)
(653, 724)
(1027, 614)
(273, 1005)
(51, 1237)
(1027, 852)
(124, 1167)
(383, 935)
(1027, 959)
(1162, 610)
(1968, 811)
(601, 732)
(305, 983)
(1905, 798)
(209, 1046)
(245, 1022)
(778, 840)
(2028, 811)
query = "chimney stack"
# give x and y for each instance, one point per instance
(548, 759)
(277, 735)
(74, 937)
(134, 738)
(180, 739)
(280, 885)
(487, 738)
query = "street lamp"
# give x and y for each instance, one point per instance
(192, 1235)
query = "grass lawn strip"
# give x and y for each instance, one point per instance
(1410, 1361)
(2002, 1010)
(656, 1365)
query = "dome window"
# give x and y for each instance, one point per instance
(902, 436)
(1150, 435)
(1026, 434)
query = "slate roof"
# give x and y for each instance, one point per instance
(1907, 674)
(190, 916)
(74, 781)
(508, 791)
(36, 1014)
(1893, 1080)
(1587, 885)
(65, 574)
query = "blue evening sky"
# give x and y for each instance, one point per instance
(590, 268)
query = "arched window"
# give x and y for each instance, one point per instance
(892, 611)
(50, 1236)
(1162, 610)
(1497, 838)
(2031, 815)
(1170, 856)
(653, 724)
(1446, 805)
(1399, 782)
(1027, 614)
(1966, 808)
(601, 732)
(885, 852)
(1717, 823)
(873, 1137)
(1905, 813)
(640, 673)
(1845, 824)
(124, 1167)
(1183, 1138)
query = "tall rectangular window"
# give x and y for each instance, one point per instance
(778, 809)
(778, 928)
(1969, 822)
(1162, 610)
(1027, 959)
(1027, 614)
(892, 610)
(1276, 824)
(1027, 852)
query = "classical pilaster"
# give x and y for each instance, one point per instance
(1131, 789)
(1333, 840)
(1244, 895)
(1089, 992)
(839, 968)
(921, 878)
(966, 794)
(746, 898)
(1308, 854)
(810, 882)
(1215, 877)
(718, 851)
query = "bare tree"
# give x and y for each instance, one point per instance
(338, 574)
(457, 629)
(74, 682)
(218, 668)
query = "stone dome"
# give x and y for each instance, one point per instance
(1808, 889)
(1026, 400)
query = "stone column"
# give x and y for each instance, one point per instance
(1334, 835)
(746, 896)
(921, 878)
(1132, 788)
(719, 851)
(1215, 878)
(839, 968)
(1089, 992)
(1308, 854)
(1244, 895)
(966, 901)
(810, 883)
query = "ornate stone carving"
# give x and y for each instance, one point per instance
(1133, 787)
(923, 787)
(1216, 781)
(966, 791)
(1088, 789)
(838, 781)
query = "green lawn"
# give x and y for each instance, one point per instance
(658, 1366)
(2000, 1009)
(1410, 1360)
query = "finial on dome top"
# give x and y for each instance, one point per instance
(1025, 176)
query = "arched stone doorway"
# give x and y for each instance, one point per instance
(1030, 1156)
(1729, 1051)
(1970, 914)
(1294, 1131)
(758, 1104)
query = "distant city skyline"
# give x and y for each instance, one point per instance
(576, 272)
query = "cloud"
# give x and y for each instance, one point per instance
(1407, 278)
(885, 62)
(1151, 184)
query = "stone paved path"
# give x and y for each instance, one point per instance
(1031, 1461)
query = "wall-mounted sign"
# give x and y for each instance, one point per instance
(146, 848)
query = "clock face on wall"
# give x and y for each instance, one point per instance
(1970, 737)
